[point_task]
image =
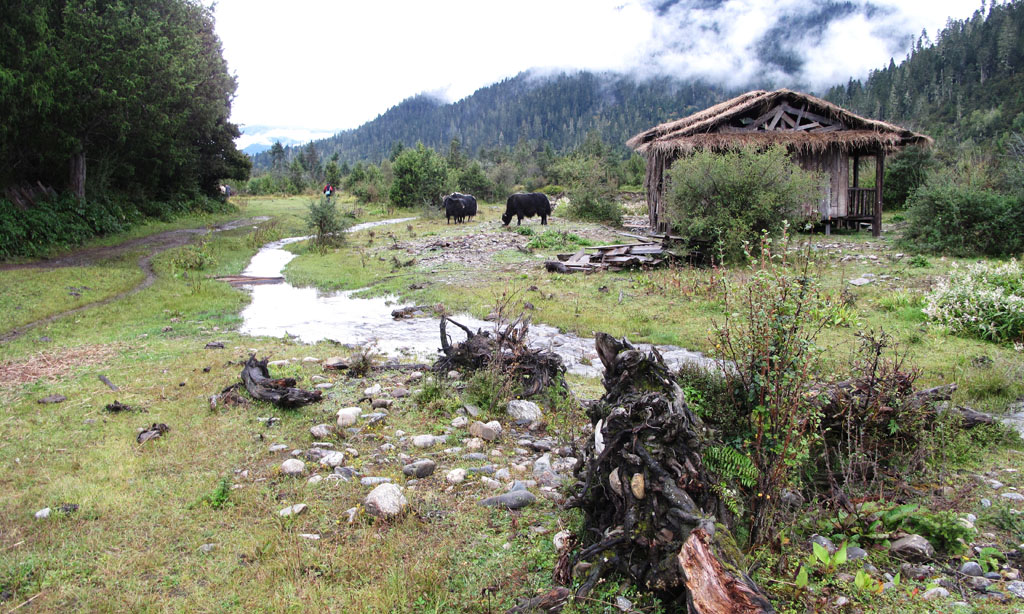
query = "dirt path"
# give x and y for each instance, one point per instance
(153, 244)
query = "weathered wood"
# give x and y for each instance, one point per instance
(281, 392)
(649, 509)
(876, 224)
(714, 588)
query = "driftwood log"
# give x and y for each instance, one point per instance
(649, 510)
(505, 349)
(281, 392)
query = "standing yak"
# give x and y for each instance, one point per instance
(459, 206)
(526, 205)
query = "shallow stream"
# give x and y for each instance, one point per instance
(310, 315)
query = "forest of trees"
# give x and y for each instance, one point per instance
(560, 111)
(112, 107)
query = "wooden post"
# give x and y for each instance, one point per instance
(876, 225)
(856, 171)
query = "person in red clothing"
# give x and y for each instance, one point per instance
(328, 191)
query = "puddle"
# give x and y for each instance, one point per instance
(311, 315)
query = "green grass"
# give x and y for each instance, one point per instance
(144, 511)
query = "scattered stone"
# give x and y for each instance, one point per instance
(279, 447)
(615, 482)
(460, 422)
(420, 469)
(345, 473)
(854, 553)
(428, 441)
(381, 403)
(324, 386)
(1016, 589)
(935, 593)
(207, 548)
(310, 536)
(316, 479)
(375, 417)
(321, 431)
(43, 513)
(1012, 496)
(472, 410)
(415, 376)
(636, 484)
(622, 604)
(544, 473)
(490, 483)
(994, 484)
(399, 393)
(385, 501)
(374, 481)
(215, 345)
(985, 502)
(277, 363)
(53, 398)
(513, 500)
(292, 510)
(485, 470)
(336, 363)
(524, 410)
(332, 459)
(970, 568)
(352, 512)
(821, 540)
(372, 390)
(860, 281)
(481, 430)
(347, 416)
(475, 443)
(311, 359)
(293, 466)
(454, 375)
(915, 572)
(456, 476)
(912, 547)
(977, 583)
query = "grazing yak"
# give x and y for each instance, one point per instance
(526, 205)
(459, 206)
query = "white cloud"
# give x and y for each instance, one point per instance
(327, 65)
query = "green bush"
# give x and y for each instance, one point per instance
(947, 216)
(983, 300)
(730, 198)
(420, 178)
(327, 224)
(591, 190)
(556, 239)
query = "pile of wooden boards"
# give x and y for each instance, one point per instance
(612, 258)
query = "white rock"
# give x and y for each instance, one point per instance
(43, 513)
(385, 501)
(310, 536)
(347, 416)
(560, 539)
(935, 593)
(372, 390)
(352, 512)
(454, 374)
(495, 426)
(474, 444)
(490, 483)
(460, 422)
(310, 359)
(428, 441)
(293, 466)
(333, 459)
(277, 363)
(321, 431)
(1012, 496)
(324, 386)
(292, 510)
(456, 476)
(315, 479)
(278, 447)
(598, 437)
(524, 410)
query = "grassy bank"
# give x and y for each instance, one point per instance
(189, 522)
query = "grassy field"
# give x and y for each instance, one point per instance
(189, 522)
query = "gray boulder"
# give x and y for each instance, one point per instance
(385, 501)
(912, 547)
(512, 500)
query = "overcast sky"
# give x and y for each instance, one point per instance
(320, 66)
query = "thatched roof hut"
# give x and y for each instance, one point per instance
(820, 135)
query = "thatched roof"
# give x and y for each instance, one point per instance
(803, 123)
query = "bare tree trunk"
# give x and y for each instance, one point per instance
(76, 175)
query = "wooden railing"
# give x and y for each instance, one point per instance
(861, 203)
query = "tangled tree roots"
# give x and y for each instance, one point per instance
(649, 511)
(534, 369)
(281, 392)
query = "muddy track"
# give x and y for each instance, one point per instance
(152, 244)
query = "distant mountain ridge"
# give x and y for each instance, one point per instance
(560, 109)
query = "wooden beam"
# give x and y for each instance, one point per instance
(775, 119)
(809, 126)
(821, 119)
(876, 225)
(856, 171)
(788, 120)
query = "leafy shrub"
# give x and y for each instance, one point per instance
(525, 231)
(981, 300)
(919, 262)
(962, 219)
(730, 198)
(190, 260)
(327, 224)
(591, 190)
(420, 177)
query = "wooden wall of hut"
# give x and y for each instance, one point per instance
(834, 165)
